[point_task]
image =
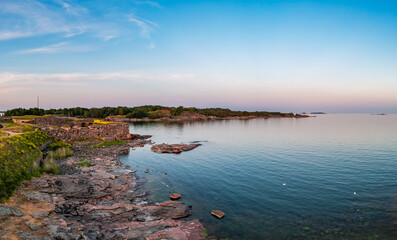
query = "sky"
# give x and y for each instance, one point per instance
(285, 55)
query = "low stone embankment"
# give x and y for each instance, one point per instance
(110, 132)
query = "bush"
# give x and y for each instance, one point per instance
(18, 154)
(50, 164)
(61, 153)
(59, 144)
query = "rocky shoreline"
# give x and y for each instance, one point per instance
(101, 199)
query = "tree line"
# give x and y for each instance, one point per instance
(136, 112)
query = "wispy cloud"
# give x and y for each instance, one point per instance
(150, 3)
(57, 48)
(107, 38)
(23, 18)
(72, 8)
(4, 35)
(66, 20)
(46, 79)
(145, 25)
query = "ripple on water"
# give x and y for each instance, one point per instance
(281, 178)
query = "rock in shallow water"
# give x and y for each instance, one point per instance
(175, 196)
(217, 213)
(173, 148)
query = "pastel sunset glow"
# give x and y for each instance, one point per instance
(290, 56)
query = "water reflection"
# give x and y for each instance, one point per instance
(242, 167)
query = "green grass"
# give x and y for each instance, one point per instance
(85, 163)
(107, 144)
(18, 154)
(30, 117)
(3, 134)
(18, 128)
(88, 140)
(60, 153)
(58, 144)
(50, 164)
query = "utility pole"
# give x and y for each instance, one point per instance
(38, 102)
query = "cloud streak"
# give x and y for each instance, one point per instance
(65, 19)
(57, 48)
(150, 3)
(22, 18)
(145, 25)
(73, 9)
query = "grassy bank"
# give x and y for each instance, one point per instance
(17, 156)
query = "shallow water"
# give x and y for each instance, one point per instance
(333, 176)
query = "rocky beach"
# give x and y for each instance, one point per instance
(94, 197)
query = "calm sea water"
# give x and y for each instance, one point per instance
(332, 176)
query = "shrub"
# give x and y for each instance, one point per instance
(85, 163)
(100, 122)
(50, 165)
(18, 154)
(61, 153)
(58, 144)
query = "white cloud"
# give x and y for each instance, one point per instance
(73, 9)
(150, 3)
(145, 25)
(109, 37)
(29, 80)
(65, 19)
(4, 35)
(23, 18)
(57, 48)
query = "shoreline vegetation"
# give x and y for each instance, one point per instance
(149, 113)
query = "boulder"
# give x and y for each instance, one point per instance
(173, 148)
(217, 213)
(175, 196)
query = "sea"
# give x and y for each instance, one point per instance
(329, 176)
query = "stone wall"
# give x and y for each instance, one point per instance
(62, 121)
(21, 121)
(110, 132)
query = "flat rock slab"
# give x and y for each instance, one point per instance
(217, 213)
(175, 196)
(5, 211)
(173, 148)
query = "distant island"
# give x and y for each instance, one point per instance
(317, 113)
(151, 113)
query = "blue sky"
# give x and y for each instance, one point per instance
(334, 56)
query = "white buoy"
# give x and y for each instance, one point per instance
(284, 184)
(354, 193)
